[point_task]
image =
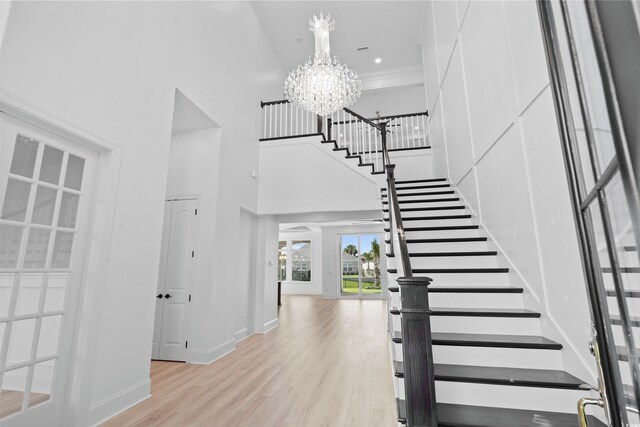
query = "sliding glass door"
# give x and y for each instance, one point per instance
(360, 271)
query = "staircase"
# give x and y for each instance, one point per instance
(491, 365)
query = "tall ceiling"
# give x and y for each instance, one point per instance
(388, 28)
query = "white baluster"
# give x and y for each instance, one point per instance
(264, 124)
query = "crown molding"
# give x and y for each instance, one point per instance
(394, 77)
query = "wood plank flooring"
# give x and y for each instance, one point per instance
(327, 364)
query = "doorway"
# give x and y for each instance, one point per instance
(360, 271)
(175, 278)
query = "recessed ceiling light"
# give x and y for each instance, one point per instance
(378, 60)
(415, 128)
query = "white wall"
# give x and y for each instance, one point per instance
(303, 175)
(111, 69)
(245, 283)
(391, 101)
(313, 287)
(495, 136)
(267, 275)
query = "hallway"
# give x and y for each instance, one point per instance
(327, 364)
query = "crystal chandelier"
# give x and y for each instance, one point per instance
(322, 85)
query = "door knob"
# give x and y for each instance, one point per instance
(167, 296)
(159, 296)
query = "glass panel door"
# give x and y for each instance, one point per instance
(45, 189)
(604, 193)
(360, 272)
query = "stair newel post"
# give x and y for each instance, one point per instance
(419, 378)
(329, 128)
(319, 124)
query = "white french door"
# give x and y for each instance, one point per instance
(177, 260)
(46, 185)
(360, 268)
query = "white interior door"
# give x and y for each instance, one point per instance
(157, 328)
(176, 275)
(46, 195)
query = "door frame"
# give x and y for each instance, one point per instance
(360, 295)
(193, 273)
(621, 163)
(88, 310)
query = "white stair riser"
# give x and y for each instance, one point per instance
(633, 306)
(448, 247)
(443, 212)
(404, 195)
(449, 222)
(532, 398)
(395, 299)
(625, 372)
(460, 279)
(475, 300)
(467, 279)
(438, 234)
(618, 335)
(628, 258)
(495, 356)
(399, 388)
(486, 325)
(398, 352)
(455, 262)
(427, 204)
(631, 281)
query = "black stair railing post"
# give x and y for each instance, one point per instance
(319, 124)
(419, 378)
(329, 129)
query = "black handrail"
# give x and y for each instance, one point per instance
(398, 116)
(281, 101)
(364, 119)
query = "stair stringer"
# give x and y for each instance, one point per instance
(573, 362)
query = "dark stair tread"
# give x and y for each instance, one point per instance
(617, 320)
(434, 217)
(396, 337)
(446, 199)
(394, 310)
(484, 312)
(419, 187)
(452, 415)
(453, 270)
(413, 181)
(630, 248)
(623, 353)
(446, 254)
(393, 289)
(445, 240)
(402, 411)
(622, 270)
(521, 377)
(475, 290)
(627, 294)
(440, 228)
(428, 193)
(494, 340)
(398, 369)
(431, 208)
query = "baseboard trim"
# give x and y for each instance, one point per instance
(116, 404)
(270, 325)
(243, 334)
(206, 357)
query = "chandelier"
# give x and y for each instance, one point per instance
(322, 85)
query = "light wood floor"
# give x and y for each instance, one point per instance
(327, 364)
